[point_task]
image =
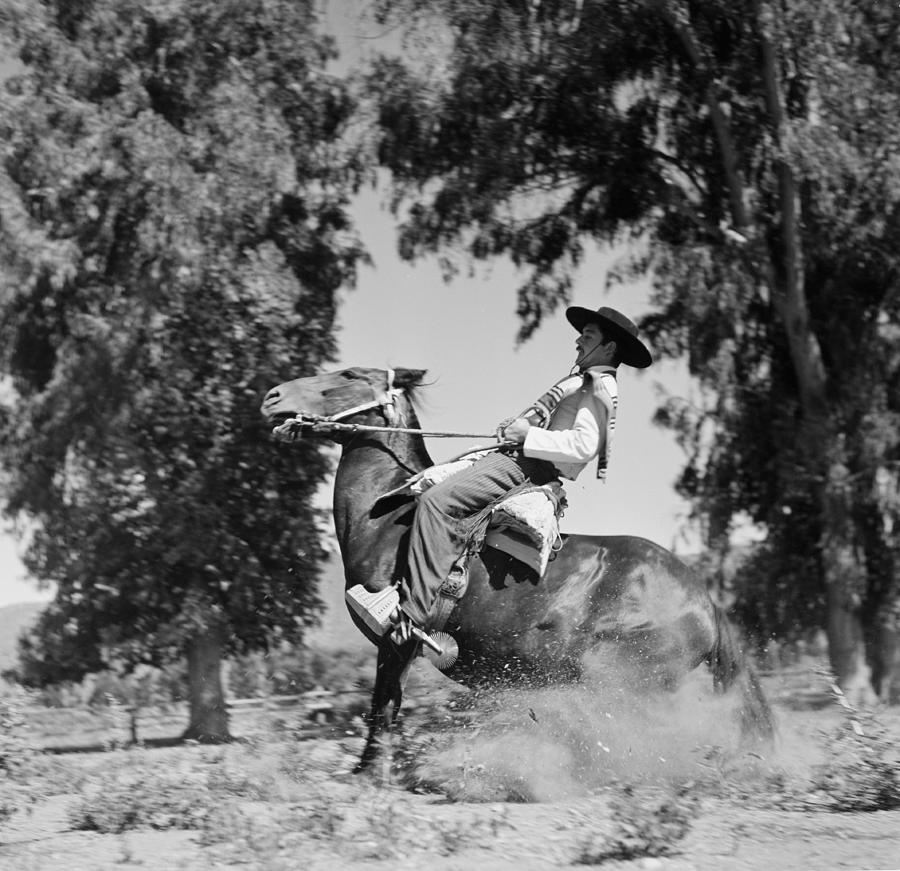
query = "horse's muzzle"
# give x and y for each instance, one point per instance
(289, 429)
(276, 410)
(292, 427)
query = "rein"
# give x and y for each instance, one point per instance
(291, 428)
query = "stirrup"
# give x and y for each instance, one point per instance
(375, 609)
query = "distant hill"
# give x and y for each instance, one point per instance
(15, 619)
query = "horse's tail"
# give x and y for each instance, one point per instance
(731, 669)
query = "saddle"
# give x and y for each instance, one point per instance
(523, 525)
(516, 537)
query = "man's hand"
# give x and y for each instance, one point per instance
(498, 432)
(515, 431)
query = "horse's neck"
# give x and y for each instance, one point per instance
(370, 466)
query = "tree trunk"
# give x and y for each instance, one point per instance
(846, 577)
(208, 712)
(843, 561)
(881, 615)
(846, 643)
(883, 637)
(884, 653)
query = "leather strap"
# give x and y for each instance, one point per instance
(451, 591)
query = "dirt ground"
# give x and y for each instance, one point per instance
(518, 780)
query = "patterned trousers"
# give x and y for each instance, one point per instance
(437, 539)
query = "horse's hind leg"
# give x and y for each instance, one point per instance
(733, 672)
(387, 696)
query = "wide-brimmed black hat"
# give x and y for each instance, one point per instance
(615, 326)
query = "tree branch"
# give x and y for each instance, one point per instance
(789, 294)
(686, 170)
(679, 22)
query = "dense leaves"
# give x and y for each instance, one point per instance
(173, 228)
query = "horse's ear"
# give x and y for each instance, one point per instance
(409, 377)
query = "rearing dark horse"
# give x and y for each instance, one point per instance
(615, 595)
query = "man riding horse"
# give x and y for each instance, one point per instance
(558, 436)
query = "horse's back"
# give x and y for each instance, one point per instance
(624, 593)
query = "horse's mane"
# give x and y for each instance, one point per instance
(412, 382)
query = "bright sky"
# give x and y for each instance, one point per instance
(14, 583)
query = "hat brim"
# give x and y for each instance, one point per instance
(632, 350)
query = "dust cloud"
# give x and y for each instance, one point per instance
(559, 743)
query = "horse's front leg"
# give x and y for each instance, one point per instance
(387, 696)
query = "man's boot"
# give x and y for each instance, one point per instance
(382, 613)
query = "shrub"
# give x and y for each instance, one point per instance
(646, 825)
(17, 755)
(136, 795)
(863, 768)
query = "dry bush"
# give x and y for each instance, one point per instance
(645, 825)
(15, 756)
(26, 774)
(136, 791)
(120, 800)
(863, 769)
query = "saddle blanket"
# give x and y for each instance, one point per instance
(524, 524)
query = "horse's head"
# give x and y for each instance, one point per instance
(341, 396)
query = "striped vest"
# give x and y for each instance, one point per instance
(603, 383)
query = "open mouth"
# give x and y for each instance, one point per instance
(279, 417)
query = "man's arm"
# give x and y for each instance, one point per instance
(577, 444)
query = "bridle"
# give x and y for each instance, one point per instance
(386, 400)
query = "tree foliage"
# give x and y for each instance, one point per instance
(750, 153)
(173, 228)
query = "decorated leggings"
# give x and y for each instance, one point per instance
(437, 540)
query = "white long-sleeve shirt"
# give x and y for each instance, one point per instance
(580, 427)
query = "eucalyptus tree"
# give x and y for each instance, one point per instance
(173, 227)
(750, 154)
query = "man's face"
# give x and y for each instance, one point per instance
(593, 348)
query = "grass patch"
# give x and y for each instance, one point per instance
(351, 818)
(645, 824)
(137, 789)
(27, 775)
(134, 795)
